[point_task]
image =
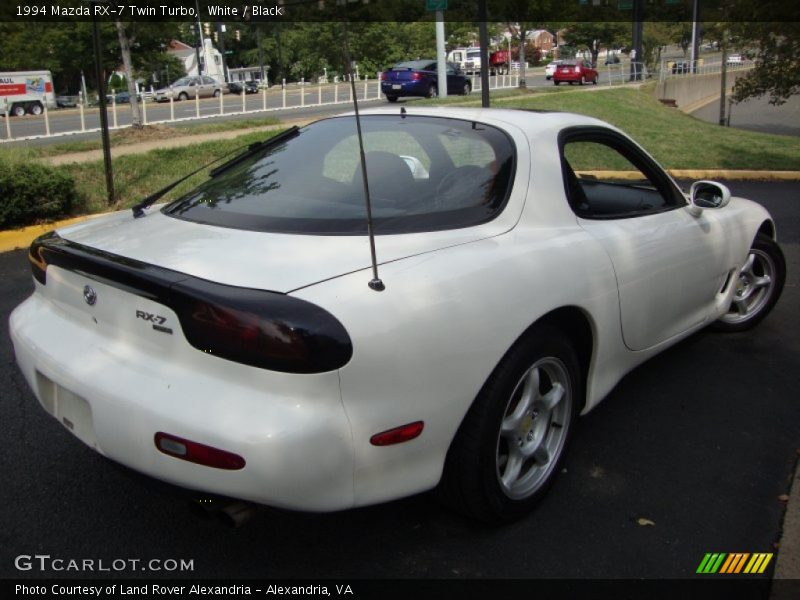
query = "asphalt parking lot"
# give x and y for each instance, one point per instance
(688, 455)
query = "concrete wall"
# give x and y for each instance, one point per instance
(688, 90)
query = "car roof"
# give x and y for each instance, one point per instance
(413, 64)
(533, 122)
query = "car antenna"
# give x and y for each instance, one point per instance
(376, 283)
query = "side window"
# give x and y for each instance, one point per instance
(606, 178)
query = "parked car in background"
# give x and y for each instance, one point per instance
(680, 67)
(229, 342)
(236, 87)
(188, 87)
(575, 71)
(420, 78)
(551, 68)
(612, 59)
(66, 101)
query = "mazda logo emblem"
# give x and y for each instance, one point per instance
(89, 295)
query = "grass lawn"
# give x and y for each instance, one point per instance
(675, 139)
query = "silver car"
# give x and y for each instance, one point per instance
(186, 87)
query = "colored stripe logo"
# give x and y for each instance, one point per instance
(735, 562)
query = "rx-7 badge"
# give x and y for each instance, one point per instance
(156, 320)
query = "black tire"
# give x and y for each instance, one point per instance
(753, 298)
(183, 96)
(594, 81)
(473, 483)
(467, 89)
(216, 93)
(18, 110)
(391, 98)
(582, 81)
(35, 108)
(433, 92)
(556, 82)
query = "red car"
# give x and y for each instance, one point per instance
(580, 71)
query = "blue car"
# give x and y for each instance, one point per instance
(419, 78)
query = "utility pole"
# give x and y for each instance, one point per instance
(221, 35)
(441, 57)
(260, 55)
(723, 76)
(636, 53)
(202, 42)
(484, 38)
(695, 34)
(101, 90)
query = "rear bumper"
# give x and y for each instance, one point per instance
(570, 76)
(291, 430)
(406, 88)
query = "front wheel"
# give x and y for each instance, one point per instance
(510, 445)
(467, 89)
(183, 96)
(433, 92)
(216, 93)
(18, 110)
(594, 81)
(583, 80)
(757, 287)
(556, 82)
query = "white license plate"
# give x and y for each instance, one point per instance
(397, 86)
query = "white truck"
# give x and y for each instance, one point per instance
(26, 92)
(468, 59)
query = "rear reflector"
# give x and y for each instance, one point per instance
(198, 453)
(398, 435)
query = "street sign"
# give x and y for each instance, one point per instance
(434, 5)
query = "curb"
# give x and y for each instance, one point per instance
(787, 565)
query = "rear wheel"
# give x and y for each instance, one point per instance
(391, 98)
(556, 82)
(216, 93)
(510, 445)
(467, 89)
(583, 80)
(183, 96)
(757, 287)
(433, 92)
(594, 81)
(35, 108)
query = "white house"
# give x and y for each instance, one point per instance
(210, 58)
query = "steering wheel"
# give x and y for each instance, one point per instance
(460, 188)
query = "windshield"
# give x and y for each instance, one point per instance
(425, 174)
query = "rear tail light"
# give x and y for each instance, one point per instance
(258, 328)
(383, 76)
(577, 69)
(198, 453)
(416, 76)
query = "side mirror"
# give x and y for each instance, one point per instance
(707, 194)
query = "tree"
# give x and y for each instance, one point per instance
(125, 49)
(592, 36)
(777, 66)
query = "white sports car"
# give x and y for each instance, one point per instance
(236, 341)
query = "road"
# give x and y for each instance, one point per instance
(306, 99)
(700, 441)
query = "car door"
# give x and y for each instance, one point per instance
(670, 265)
(208, 86)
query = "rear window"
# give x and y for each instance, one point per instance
(419, 65)
(425, 174)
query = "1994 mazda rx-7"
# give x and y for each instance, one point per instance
(230, 341)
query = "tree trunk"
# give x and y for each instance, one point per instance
(125, 47)
(523, 32)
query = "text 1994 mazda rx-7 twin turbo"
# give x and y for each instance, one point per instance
(229, 341)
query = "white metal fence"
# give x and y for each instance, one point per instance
(81, 119)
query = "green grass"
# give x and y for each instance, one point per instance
(675, 139)
(138, 175)
(122, 137)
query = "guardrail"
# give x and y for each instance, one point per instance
(278, 97)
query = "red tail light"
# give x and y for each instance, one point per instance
(577, 69)
(197, 453)
(383, 76)
(416, 76)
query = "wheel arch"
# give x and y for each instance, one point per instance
(767, 228)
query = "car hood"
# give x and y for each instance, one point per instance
(269, 261)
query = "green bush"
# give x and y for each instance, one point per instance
(30, 193)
